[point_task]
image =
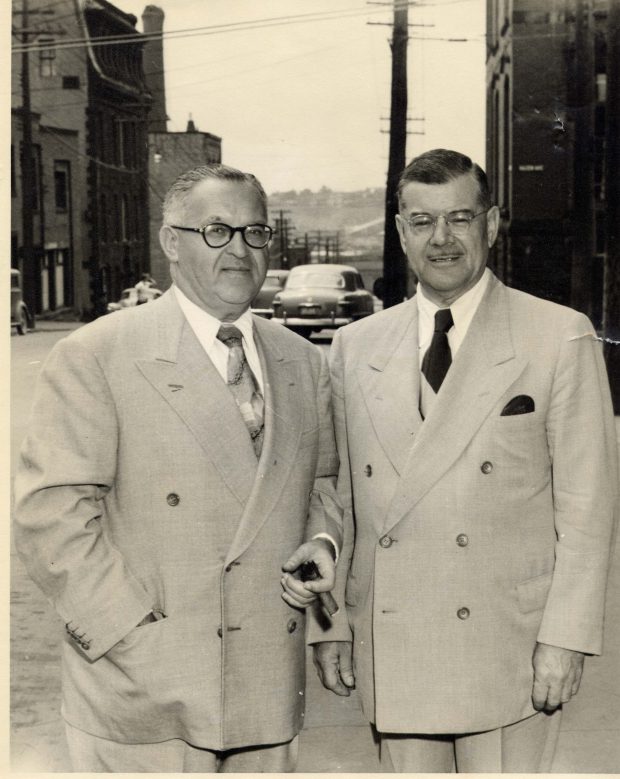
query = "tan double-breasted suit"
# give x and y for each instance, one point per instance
(139, 488)
(476, 534)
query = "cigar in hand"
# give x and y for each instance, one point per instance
(308, 571)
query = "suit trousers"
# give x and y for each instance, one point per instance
(526, 746)
(92, 754)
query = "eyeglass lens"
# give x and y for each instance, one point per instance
(218, 234)
(457, 223)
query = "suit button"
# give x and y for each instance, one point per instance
(85, 645)
(219, 631)
(368, 470)
(386, 542)
(486, 467)
(462, 539)
(463, 613)
(173, 499)
(291, 625)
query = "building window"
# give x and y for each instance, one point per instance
(601, 87)
(103, 220)
(61, 185)
(47, 58)
(124, 215)
(70, 82)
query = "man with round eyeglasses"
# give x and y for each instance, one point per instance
(171, 549)
(479, 481)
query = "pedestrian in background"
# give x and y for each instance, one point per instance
(479, 480)
(161, 545)
(146, 283)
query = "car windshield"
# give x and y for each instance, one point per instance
(315, 279)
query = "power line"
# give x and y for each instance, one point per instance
(137, 37)
(196, 65)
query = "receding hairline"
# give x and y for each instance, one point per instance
(440, 166)
(176, 199)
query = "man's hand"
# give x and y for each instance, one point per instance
(301, 594)
(557, 675)
(333, 662)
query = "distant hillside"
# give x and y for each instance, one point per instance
(357, 215)
(314, 218)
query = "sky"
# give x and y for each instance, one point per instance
(304, 104)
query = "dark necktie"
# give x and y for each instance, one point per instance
(438, 356)
(243, 385)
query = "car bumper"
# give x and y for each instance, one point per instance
(314, 322)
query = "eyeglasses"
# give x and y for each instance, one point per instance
(217, 234)
(457, 222)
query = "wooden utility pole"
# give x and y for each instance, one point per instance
(394, 261)
(282, 231)
(611, 294)
(29, 263)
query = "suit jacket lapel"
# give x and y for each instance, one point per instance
(187, 379)
(390, 383)
(484, 367)
(283, 414)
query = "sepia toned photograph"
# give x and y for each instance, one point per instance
(314, 386)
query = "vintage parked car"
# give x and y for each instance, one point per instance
(129, 298)
(274, 283)
(20, 316)
(321, 296)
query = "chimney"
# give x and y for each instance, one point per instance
(191, 127)
(153, 66)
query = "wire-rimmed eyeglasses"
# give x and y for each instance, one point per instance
(457, 222)
(217, 234)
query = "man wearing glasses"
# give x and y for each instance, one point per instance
(479, 481)
(162, 545)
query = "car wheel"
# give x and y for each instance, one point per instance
(22, 323)
(304, 332)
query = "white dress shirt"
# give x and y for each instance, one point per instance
(463, 310)
(206, 327)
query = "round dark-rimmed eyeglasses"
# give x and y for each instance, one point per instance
(217, 234)
(457, 222)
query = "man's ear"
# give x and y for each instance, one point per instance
(169, 240)
(493, 221)
(400, 226)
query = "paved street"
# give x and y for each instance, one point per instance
(336, 738)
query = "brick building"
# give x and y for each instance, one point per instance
(546, 146)
(56, 163)
(169, 153)
(90, 99)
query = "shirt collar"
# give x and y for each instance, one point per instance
(207, 324)
(463, 308)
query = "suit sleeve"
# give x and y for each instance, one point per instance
(66, 468)
(338, 629)
(582, 441)
(325, 515)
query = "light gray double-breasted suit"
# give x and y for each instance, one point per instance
(476, 534)
(139, 488)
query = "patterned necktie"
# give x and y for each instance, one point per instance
(243, 385)
(438, 357)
